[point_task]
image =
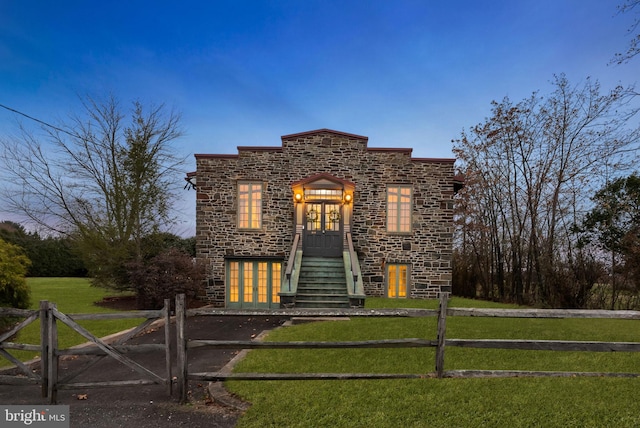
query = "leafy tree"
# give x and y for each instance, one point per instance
(14, 291)
(99, 179)
(51, 256)
(613, 225)
(156, 243)
(616, 214)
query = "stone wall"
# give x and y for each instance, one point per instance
(427, 249)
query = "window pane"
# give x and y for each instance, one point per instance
(243, 205)
(405, 210)
(332, 217)
(393, 280)
(256, 205)
(262, 282)
(314, 217)
(322, 194)
(247, 281)
(402, 281)
(275, 282)
(233, 282)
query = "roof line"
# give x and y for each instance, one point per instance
(331, 131)
(438, 160)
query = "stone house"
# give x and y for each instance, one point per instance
(322, 220)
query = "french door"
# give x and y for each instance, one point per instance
(323, 229)
(253, 284)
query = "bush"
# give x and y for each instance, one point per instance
(14, 291)
(164, 276)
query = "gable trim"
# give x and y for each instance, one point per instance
(324, 130)
(324, 176)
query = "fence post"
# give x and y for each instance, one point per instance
(167, 344)
(181, 345)
(44, 346)
(442, 326)
(52, 354)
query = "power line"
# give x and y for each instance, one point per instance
(42, 122)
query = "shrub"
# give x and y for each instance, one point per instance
(164, 276)
(14, 291)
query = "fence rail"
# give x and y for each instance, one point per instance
(51, 382)
(441, 342)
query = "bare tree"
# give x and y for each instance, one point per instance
(529, 169)
(103, 179)
(634, 43)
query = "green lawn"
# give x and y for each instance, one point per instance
(515, 402)
(72, 296)
(523, 402)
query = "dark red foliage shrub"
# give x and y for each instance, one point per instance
(164, 276)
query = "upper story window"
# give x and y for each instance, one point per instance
(249, 205)
(399, 209)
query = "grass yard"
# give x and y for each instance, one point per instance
(515, 402)
(72, 296)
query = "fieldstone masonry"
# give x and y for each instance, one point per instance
(427, 249)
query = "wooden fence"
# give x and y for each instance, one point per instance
(50, 352)
(51, 382)
(441, 342)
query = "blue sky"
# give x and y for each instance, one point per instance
(404, 73)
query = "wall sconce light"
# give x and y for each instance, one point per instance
(298, 197)
(348, 198)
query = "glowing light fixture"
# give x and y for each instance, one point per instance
(348, 197)
(298, 197)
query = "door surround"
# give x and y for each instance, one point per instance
(323, 207)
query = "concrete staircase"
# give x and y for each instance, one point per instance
(322, 283)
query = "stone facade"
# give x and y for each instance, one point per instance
(426, 249)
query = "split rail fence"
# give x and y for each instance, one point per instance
(441, 342)
(51, 382)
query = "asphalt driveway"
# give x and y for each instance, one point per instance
(150, 406)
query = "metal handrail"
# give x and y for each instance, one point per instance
(292, 258)
(355, 266)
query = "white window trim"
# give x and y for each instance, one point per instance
(250, 213)
(394, 228)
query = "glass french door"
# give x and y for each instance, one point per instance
(253, 284)
(323, 229)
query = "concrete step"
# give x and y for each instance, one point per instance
(322, 290)
(322, 284)
(321, 304)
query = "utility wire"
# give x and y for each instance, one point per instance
(42, 122)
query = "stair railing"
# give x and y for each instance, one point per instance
(353, 258)
(292, 260)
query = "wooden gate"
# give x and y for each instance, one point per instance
(50, 352)
(27, 374)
